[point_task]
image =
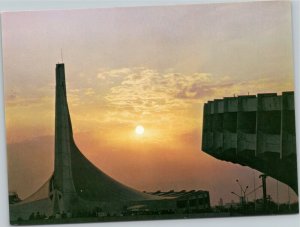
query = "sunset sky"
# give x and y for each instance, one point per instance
(149, 66)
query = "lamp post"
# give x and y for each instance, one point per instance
(237, 181)
(243, 192)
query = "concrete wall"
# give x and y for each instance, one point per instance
(257, 131)
(262, 124)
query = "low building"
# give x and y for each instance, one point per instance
(187, 201)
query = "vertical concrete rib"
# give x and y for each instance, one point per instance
(269, 124)
(204, 127)
(246, 125)
(209, 130)
(288, 126)
(230, 125)
(218, 125)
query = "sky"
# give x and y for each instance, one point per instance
(149, 66)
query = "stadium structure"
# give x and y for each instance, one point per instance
(255, 131)
(77, 186)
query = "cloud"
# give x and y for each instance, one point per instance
(105, 74)
(144, 94)
(126, 96)
(147, 90)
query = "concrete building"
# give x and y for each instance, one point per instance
(255, 131)
(77, 186)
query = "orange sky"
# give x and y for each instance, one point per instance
(153, 66)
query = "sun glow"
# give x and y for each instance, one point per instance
(139, 130)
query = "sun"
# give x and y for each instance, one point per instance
(139, 130)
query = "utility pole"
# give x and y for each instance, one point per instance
(264, 184)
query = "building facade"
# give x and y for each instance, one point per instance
(255, 131)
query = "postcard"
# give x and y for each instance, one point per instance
(147, 113)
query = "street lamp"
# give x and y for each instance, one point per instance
(243, 191)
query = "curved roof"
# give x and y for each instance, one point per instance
(93, 184)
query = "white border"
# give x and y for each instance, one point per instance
(274, 221)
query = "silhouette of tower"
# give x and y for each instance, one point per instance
(63, 180)
(76, 184)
